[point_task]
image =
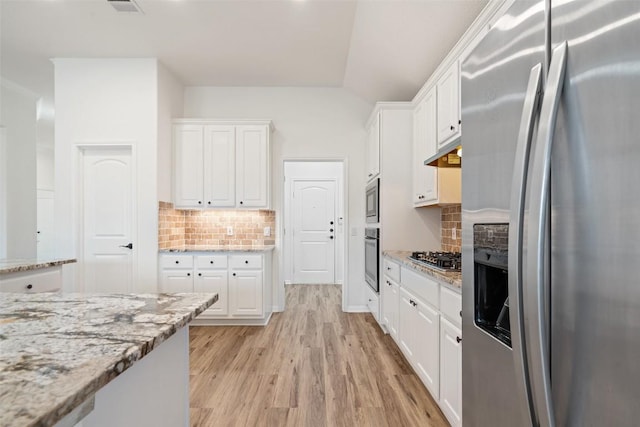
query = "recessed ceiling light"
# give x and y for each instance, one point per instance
(125, 6)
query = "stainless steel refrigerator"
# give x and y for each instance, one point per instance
(551, 217)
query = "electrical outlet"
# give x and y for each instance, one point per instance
(267, 231)
(229, 230)
(454, 233)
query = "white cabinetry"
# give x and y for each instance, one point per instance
(431, 185)
(451, 372)
(425, 178)
(221, 164)
(373, 149)
(41, 280)
(239, 279)
(448, 115)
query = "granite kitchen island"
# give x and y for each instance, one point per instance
(105, 359)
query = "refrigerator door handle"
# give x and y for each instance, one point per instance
(520, 172)
(536, 306)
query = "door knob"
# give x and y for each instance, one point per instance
(458, 339)
(129, 246)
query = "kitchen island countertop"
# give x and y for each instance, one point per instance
(59, 349)
(451, 278)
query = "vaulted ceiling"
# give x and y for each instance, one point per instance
(382, 50)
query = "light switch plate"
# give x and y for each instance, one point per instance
(229, 230)
(267, 231)
(454, 233)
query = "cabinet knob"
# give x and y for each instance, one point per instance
(330, 222)
(331, 237)
(331, 230)
(208, 203)
(234, 274)
(177, 262)
(460, 313)
(210, 262)
(188, 274)
(200, 274)
(460, 121)
(246, 262)
(241, 202)
(370, 174)
(458, 339)
(29, 286)
(453, 127)
(199, 202)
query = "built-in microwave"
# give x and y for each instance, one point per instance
(373, 201)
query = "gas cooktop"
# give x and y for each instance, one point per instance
(443, 261)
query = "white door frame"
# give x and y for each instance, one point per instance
(343, 187)
(78, 198)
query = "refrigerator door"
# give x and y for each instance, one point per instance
(494, 79)
(595, 216)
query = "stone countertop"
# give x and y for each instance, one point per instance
(57, 350)
(451, 278)
(203, 248)
(18, 265)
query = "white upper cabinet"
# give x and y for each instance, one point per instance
(448, 117)
(425, 178)
(221, 165)
(189, 167)
(252, 166)
(373, 149)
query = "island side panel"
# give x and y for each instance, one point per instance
(154, 391)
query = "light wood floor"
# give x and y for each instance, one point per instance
(311, 366)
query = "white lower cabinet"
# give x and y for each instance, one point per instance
(238, 279)
(451, 372)
(426, 315)
(420, 339)
(42, 280)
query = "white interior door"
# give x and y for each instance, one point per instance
(44, 215)
(314, 231)
(107, 218)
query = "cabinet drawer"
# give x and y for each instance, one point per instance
(392, 269)
(450, 305)
(237, 262)
(47, 280)
(211, 262)
(420, 286)
(176, 261)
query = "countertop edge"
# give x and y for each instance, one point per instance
(267, 248)
(129, 358)
(450, 282)
(34, 265)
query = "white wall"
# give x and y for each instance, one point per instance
(170, 106)
(311, 123)
(107, 101)
(18, 117)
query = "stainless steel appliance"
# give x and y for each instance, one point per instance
(373, 201)
(372, 257)
(551, 217)
(443, 261)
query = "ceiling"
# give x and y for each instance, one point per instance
(382, 50)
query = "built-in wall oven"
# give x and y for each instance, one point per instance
(372, 257)
(373, 201)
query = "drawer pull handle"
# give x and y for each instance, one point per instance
(29, 286)
(458, 339)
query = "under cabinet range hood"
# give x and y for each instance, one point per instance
(450, 157)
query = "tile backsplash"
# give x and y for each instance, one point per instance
(451, 218)
(180, 228)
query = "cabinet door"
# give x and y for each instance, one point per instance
(448, 116)
(177, 281)
(220, 166)
(427, 347)
(406, 325)
(252, 160)
(451, 372)
(245, 292)
(425, 178)
(189, 166)
(215, 282)
(395, 304)
(373, 149)
(387, 303)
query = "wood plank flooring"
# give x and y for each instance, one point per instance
(313, 365)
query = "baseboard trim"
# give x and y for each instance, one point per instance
(287, 282)
(212, 321)
(277, 309)
(357, 309)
